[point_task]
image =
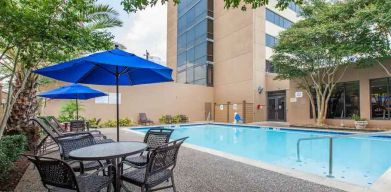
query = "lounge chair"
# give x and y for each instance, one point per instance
(143, 119)
(57, 175)
(51, 122)
(52, 133)
(159, 169)
(153, 138)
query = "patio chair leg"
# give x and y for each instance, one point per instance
(173, 183)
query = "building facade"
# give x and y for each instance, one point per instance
(229, 50)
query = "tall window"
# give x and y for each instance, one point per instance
(380, 98)
(294, 7)
(270, 41)
(344, 101)
(277, 19)
(269, 67)
(194, 42)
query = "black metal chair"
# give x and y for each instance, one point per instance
(159, 169)
(143, 119)
(57, 175)
(153, 138)
(77, 125)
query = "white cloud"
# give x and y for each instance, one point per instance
(144, 30)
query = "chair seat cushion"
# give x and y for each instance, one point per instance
(138, 160)
(137, 177)
(92, 182)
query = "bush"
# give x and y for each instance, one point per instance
(68, 111)
(357, 117)
(10, 149)
(93, 122)
(122, 122)
(13, 146)
(168, 119)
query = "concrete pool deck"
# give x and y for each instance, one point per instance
(200, 171)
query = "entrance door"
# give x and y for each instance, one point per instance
(276, 106)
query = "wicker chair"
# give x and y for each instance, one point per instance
(153, 138)
(159, 169)
(57, 175)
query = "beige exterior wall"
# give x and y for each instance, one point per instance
(172, 37)
(299, 112)
(155, 100)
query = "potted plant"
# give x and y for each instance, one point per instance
(359, 123)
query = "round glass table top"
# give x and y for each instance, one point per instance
(108, 150)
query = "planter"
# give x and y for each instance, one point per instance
(360, 124)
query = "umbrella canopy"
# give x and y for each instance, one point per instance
(112, 67)
(73, 91)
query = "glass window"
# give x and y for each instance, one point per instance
(380, 98)
(344, 101)
(190, 75)
(193, 46)
(271, 41)
(200, 72)
(269, 67)
(277, 19)
(181, 77)
(294, 7)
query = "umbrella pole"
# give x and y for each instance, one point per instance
(77, 110)
(116, 82)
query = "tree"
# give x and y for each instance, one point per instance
(36, 33)
(136, 5)
(316, 51)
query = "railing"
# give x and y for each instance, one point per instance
(330, 174)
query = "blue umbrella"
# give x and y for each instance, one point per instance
(73, 91)
(112, 67)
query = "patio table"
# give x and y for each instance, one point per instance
(109, 151)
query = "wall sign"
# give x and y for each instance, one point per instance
(299, 94)
(221, 107)
(235, 106)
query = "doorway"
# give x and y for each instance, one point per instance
(276, 106)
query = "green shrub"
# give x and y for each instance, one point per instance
(166, 119)
(10, 149)
(68, 111)
(357, 117)
(93, 122)
(12, 146)
(5, 165)
(122, 122)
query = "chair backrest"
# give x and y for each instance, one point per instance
(143, 117)
(163, 157)
(57, 123)
(157, 137)
(54, 172)
(46, 127)
(70, 143)
(49, 122)
(77, 125)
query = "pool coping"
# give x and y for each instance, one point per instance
(378, 185)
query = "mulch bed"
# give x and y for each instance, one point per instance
(15, 174)
(311, 126)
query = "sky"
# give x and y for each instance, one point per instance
(141, 31)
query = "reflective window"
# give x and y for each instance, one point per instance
(194, 46)
(277, 19)
(381, 98)
(294, 7)
(271, 41)
(269, 67)
(344, 101)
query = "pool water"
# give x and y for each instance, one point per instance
(355, 160)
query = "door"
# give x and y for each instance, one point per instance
(276, 106)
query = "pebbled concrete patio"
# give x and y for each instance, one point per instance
(202, 172)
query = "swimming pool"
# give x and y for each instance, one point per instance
(359, 161)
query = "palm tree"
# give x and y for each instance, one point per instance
(96, 17)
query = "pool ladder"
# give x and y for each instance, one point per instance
(330, 174)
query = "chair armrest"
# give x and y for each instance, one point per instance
(73, 135)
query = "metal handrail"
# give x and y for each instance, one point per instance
(331, 144)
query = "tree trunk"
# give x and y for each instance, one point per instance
(25, 109)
